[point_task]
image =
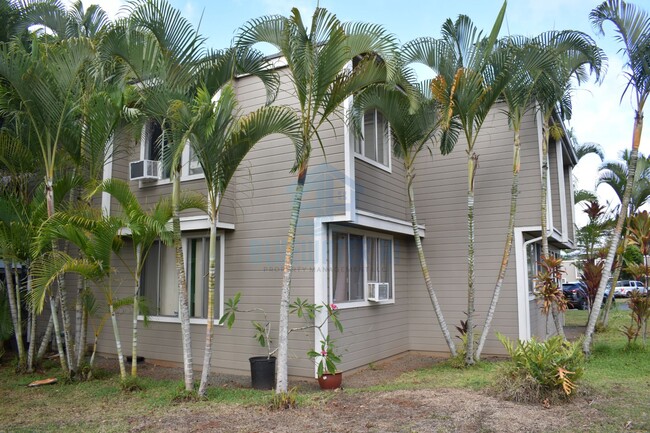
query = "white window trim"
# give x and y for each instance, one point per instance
(364, 233)
(218, 314)
(185, 164)
(360, 156)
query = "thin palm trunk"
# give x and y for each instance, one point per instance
(514, 194)
(57, 334)
(118, 342)
(78, 321)
(136, 311)
(615, 237)
(610, 297)
(31, 351)
(209, 329)
(14, 307)
(423, 265)
(183, 301)
(472, 165)
(282, 382)
(47, 338)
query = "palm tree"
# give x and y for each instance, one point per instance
(615, 174)
(159, 49)
(221, 141)
(470, 76)
(528, 64)
(576, 56)
(411, 132)
(144, 227)
(633, 27)
(316, 58)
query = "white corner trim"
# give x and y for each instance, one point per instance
(523, 300)
(389, 224)
(107, 174)
(350, 180)
(562, 193)
(320, 278)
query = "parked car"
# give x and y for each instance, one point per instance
(624, 288)
(576, 295)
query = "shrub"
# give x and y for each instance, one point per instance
(538, 369)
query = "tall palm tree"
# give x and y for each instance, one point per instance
(161, 51)
(528, 64)
(221, 140)
(614, 174)
(470, 76)
(577, 56)
(633, 30)
(144, 227)
(317, 55)
(411, 132)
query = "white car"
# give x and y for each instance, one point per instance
(624, 288)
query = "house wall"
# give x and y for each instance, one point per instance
(381, 192)
(441, 200)
(259, 205)
(554, 190)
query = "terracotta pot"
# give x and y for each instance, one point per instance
(330, 381)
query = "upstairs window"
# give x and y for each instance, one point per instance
(374, 146)
(155, 145)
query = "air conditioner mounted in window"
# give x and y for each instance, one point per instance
(378, 292)
(145, 170)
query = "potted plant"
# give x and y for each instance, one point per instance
(263, 367)
(326, 358)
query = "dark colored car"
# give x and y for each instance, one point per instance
(576, 295)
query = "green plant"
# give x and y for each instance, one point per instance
(326, 359)
(554, 364)
(285, 400)
(639, 314)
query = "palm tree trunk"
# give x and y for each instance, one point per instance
(209, 328)
(423, 264)
(610, 297)
(514, 194)
(472, 165)
(118, 342)
(183, 301)
(544, 209)
(47, 337)
(616, 235)
(31, 351)
(136, 311)
(84, 337)
(57, 335)
(14, 308)
(78, 319)
(282, 382)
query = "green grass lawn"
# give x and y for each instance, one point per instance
(616, 383)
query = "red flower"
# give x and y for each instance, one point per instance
(333, 306)
(323, 352)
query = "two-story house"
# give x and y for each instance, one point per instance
(354, 244)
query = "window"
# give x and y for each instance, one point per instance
(155, 145)
(374, 146)
(533, 259)
(362, 267)
(159, 283)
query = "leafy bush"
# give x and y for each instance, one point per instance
(540, 369)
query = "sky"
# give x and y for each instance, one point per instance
(600, 115)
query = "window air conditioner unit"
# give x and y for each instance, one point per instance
(378, 292)
(144, 170)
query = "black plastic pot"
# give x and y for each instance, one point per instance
(262, 372)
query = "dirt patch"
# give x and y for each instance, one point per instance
(440, 410)
(356, 410)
